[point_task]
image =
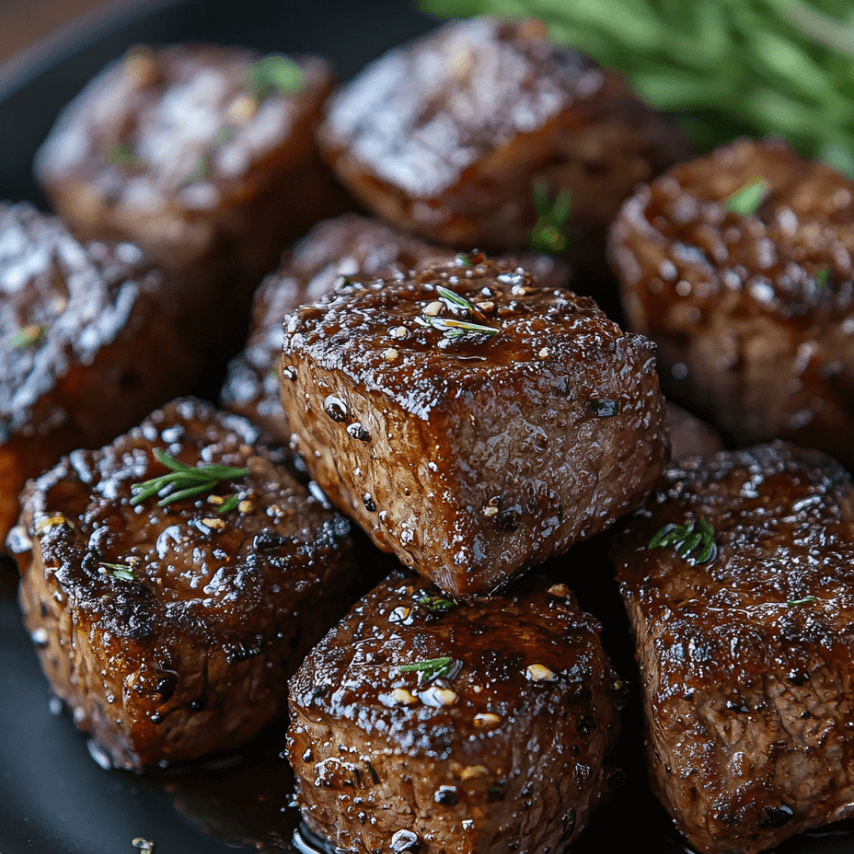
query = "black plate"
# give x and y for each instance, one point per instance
(54, 799)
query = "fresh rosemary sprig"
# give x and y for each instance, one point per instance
(432, 668)
(274, 75)
(747, 199)
(697, 544)
(728, 69)
(183, 480)
(549, 234)
(29, 336)
(229, 504)
(456, 299)
(793, 602)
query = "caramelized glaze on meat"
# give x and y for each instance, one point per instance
(472, 457)
(170, 631)
(746, 659)
(505, 752)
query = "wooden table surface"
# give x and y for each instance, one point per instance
(23, 22)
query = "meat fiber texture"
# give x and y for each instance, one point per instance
(472, 455)
(745, 660)
(753, 313)
(504, 751)
(193, 153)
(349, 245)
(170, 631)
(86, 350)
(448, 136)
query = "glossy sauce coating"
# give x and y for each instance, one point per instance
(752, 313)
(173, 148)
(349, 245)
(474, 457)
(505, 752)
(170, 631)
(746, 659)
(446, 136)
(85, 348)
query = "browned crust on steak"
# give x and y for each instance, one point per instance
(485, 760)
(349, 245)
(191, 654)
(168, 147)
(746, 660)
(475, 458)
(446, 136)
(750, 335)
(85, 348)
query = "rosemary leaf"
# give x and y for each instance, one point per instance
(746, 200)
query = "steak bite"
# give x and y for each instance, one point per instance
(170, 631)
(425, 724)
(85, 348)
(349, 245)
(448, 136)
(746, 658)
(472, 422)
(738, 265)
(203, 155)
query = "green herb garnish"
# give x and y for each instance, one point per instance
(792, 602)
(746, 200)
(184, 481)
(464, 260)
(123, 155)
(686, 540)
(456, 328)
(548, 235)
(274, 75)
(823, 277)
(27, 337)
(201, 169)
(432, 668)
(450, 296)
(437, 604)
(119, 570)
(229, 504)
(223, 135)
(604, 408)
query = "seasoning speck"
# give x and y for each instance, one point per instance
(402, 697)
(539, 673)
(544, 353)
(391, 355)
(433, 309)
(560, 590)
(218, 524)
(437, 697)
(486, 719)
(399, 332)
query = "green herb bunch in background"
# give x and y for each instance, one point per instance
(726, 68)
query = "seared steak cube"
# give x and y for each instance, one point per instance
(85, 348)
(425, 724)
(170, 631)
(203, 155)
(349, 245)
(450, 135)
(689, 436)
(739, 266)
(472, 441)
(746, 657)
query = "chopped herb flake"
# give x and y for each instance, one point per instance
(183, 481)
(230, 503)
(823, 277)
(123, 155)
(464, 260)
(699, 544)
(201, 169)
(746, 200)
(223, 135)
(450, 296)
(275, 75)
(432, 668)
(549, 234)
(121, 571)
(29, 336)
(437, 604)
(604, 408)
(792, 602)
